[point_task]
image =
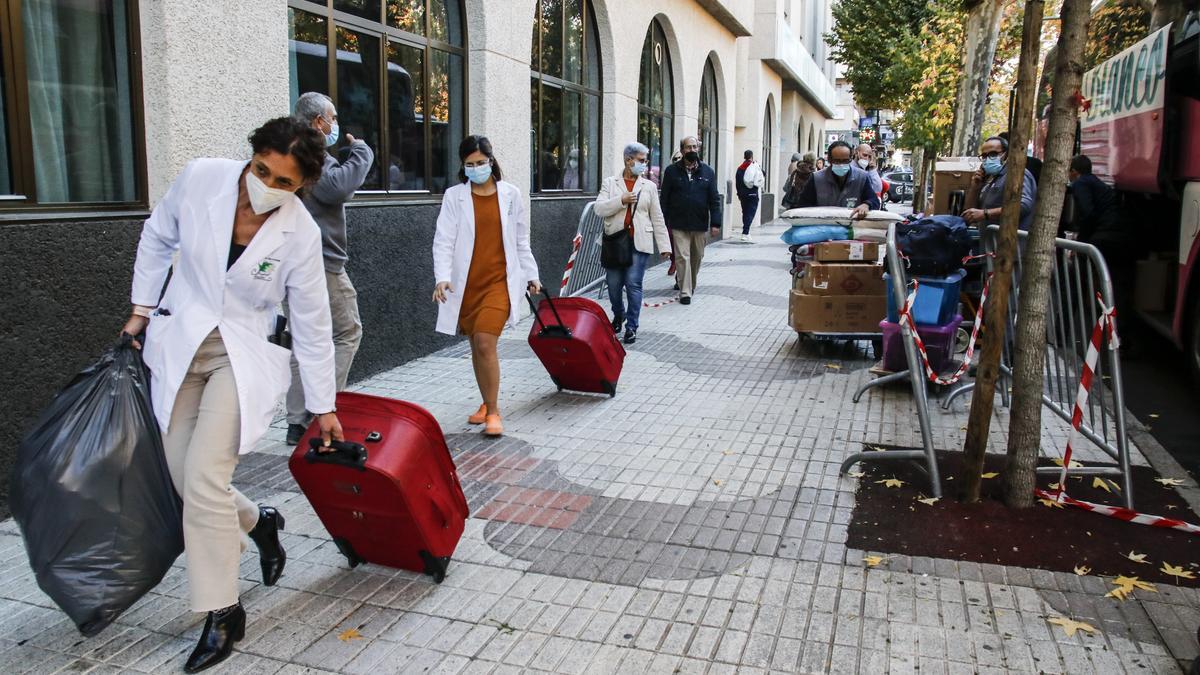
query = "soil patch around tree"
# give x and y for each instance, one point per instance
(892, 520)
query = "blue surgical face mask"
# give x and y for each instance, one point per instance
(332, 137)
(840, 170)
(478, 174)
(638, 168)
(992, 166)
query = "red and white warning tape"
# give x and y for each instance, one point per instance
(906, 317)
(578, 241)
(1105, 327)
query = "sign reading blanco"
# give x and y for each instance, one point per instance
(1129, 83)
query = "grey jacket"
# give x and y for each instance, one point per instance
(991, 196)
(326, 200)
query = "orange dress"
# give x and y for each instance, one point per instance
(485, 305)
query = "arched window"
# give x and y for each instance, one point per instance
(710, 123)
(656, 103)
(397, 82)
(768, 149)
(565, 92)
(812, 138)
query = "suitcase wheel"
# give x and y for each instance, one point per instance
(347, 550)
(434, 566)
(609, 388)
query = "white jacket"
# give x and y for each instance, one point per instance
(195, 218)
(454, 244)
(649, 226)
(753, 176)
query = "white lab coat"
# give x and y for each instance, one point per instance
(195, 218)
(649, 227)
(454, 244)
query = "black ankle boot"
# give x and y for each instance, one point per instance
(266, 535)
(222, 628)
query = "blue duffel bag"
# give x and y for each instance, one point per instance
(933, 245)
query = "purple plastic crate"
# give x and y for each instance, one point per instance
(939, 345)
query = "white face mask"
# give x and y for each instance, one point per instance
(263, 198)
(864, 163)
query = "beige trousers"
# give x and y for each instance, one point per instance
(202, 451)
(689, 251)
(347, 334)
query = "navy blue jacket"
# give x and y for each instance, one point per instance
(690, 203)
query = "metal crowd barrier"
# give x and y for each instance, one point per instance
(1077, 276)
(587, 274)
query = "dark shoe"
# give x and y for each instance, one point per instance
(295, 432)
(685, 300)
(616, 324)
(221, 630)
(630, 337)
(266, 535)
(676, 285)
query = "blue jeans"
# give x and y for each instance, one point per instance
(749, 208)
(629, 279)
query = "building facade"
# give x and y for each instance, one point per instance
(105, 101)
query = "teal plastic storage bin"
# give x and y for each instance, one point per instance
(937, 299)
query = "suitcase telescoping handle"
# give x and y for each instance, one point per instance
(343, 453)
(560, 330)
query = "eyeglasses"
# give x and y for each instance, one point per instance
(991, 155)
(475, 165)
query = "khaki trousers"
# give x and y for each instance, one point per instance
(202, 451)
(347, 334)
(689, 251)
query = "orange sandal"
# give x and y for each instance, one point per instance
(480, 415)
(493, 427)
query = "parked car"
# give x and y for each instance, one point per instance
(900, 185)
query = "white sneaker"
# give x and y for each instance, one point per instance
(745, 237)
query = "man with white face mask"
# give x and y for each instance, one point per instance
(864, 157)
(326, 202)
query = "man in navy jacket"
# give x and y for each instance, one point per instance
(691, 205)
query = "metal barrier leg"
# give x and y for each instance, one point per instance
(879, 382)
(965, 389)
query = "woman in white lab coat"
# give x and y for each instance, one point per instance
(482, 266)
(245, 242)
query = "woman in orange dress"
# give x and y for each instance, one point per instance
(482, 265)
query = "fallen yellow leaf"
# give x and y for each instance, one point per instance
(351, 634)
(1137, 557)
(1098, 482)
(1174, 571)
(929, 501)
(726, 452)
(1054, 486)
(716, 481)
(1118, 593)
(874, 560)
(1113, 483)
(1074, 464)
(890, 482)
(1169, 482)
(990, 474)
(1083, 570)
(1069, 626)
(833, 366)
(1050, 503)
(1154, 415)
(1127, 584)
(855, 474)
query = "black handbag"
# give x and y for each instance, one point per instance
(616, 249)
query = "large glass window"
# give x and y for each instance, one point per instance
(565, 98)
(710, 124)
(656, 100)
(398, 83)
(67, 133)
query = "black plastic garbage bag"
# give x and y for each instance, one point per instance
(92, 494)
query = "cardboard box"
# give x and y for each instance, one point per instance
(845, 278)
(836, 313)
(949, 175)
(1150, 286)
(846, 251)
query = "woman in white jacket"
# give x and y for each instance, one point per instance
(482, 266)
(628, 200)
(244, 242)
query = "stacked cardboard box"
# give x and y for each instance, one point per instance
(842, 291)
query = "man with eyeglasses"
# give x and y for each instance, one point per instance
(985, 199)
(691, 206)
(840, 184)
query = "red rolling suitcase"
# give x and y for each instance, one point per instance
(390, 494)
(575, 342)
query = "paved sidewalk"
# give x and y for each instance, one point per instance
(695, 523)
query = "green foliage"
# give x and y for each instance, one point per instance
(879, 63)
(928, 106)
(1115, 26)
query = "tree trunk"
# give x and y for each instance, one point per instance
(982, 29)
(1025, 427)
(996, 309)
(918, 167)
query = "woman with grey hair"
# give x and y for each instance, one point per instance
(629, 201)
